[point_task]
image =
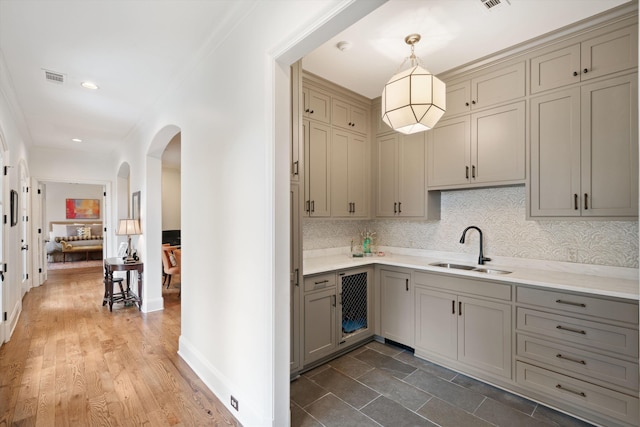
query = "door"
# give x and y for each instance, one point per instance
(25, 232)
(610, 147)
(555, 154)
(317, 143)
(484, 335)
(412, 179)
(319, 324)
(387, 173)
(396, 304)
(436, 322)
(449, 152)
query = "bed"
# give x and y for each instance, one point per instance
(74, 241)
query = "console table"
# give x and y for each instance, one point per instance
(127, 295)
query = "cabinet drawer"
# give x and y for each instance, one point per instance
(320, 281)
(590, 398)
(599, 336)
(464, 286)
(578, 303)
(604, 368)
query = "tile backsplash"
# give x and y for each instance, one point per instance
(500, 213)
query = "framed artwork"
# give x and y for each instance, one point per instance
(83, 208)
(122, 249)
(135, 205)
(14, 207)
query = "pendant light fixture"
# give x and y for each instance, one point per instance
(413, 100)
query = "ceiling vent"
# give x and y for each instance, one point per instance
(492, 5)
(53, 77)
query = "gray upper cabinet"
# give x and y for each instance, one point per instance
(401, 178)
(349, 116)
(605, 52)
(349, 172)
(316, 105)
(584, 151)
(496, 85)
(317, 172)
(483, 149)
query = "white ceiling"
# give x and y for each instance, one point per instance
(135, 49)
(454, 32)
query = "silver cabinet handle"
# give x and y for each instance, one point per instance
(395, 207)
(576, 331)
(321, 282)
(399, 207)
(466, 172)
(575, 304)
(579, 393)
(295, 167)
(307, 206)
(297, 273)
(586, 201)
(313, 206)
(575, 201)
(570, 359)
(473, 171)
(453, 307)
(407, 284)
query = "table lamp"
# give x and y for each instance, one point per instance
(128, 227)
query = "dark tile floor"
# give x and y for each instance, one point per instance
(383, 385)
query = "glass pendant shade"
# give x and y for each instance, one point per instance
(413, 100)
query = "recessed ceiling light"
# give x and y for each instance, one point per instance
(89, 85)
(76, 140)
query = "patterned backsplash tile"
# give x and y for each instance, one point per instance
(500, 213)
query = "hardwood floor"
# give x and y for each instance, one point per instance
(72, 362)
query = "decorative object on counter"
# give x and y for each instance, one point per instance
(367, 241)
(413, 100)
(129, 227)
(356, 250)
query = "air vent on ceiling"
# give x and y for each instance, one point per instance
(491, 5)
(53, 77)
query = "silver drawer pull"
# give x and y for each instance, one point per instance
(577, 331)
(320, 283)
(579, 393)
(576, 304)
(571, 359)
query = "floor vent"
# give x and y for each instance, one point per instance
(491, 5)
(53, 77)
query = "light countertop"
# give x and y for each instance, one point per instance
(617, 282)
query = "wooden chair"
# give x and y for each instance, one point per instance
(170, 262)
(115, 296)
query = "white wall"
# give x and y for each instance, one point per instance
(57, 193)
(234, 283)
(171, 196)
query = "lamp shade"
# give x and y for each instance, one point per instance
(128, 227)
(413, 100)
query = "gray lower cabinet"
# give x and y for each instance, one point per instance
(579, 353)
(338, 312)
(319, 324)
(396, 305)
(462, 329)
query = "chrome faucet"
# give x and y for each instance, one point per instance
(481, 257)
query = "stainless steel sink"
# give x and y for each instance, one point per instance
(454, 266)
(490, 270)
(469, 268)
